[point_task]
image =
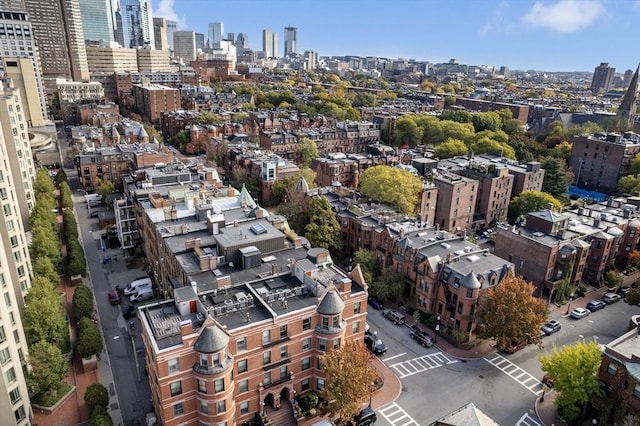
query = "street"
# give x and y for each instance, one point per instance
(502, 386)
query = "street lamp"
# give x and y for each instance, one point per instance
(435, 339)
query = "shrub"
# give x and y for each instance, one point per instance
(82, 302)
(96, 397)
(77, 261)
(100, 417)
(89, 339)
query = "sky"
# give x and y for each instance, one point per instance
(544, 35)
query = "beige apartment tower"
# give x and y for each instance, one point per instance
(22, 72)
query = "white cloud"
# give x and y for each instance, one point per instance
(165, 10)
(497, 22)
(565, 16)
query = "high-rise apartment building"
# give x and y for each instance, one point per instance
(98, 18)
(270, 44)
(24, 77)
(57, 29)
(184, 44)
(137, 23)
(216, 31)
(290, 40)
(160, 33)
(602, 78)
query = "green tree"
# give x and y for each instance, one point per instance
(44, 317)
(388, 287)
(82, 302)
(461, 131)
(76, 259)
(407, 132)
(105, 188)
(100, 418)
(43, 267)
(206, 117)
(486, 121)
(531, 201)
(308, 152)
(153, 133)
(43, 183)
(48, 368)
(45, 243)
(486, 145)
(612, 278)
(89, 339)
(431, 129)
(61, 176)
(368, 264)
(556, 178)
(629, 185)
(365, 100)
(393, 186)
(451, 148)
(573, 369)
(509, 312)
(350, 380)
(323, 229)
(562, 151)
(96, 396)
(457, 115)
(70, 225)
(65, 196)
(634, 167)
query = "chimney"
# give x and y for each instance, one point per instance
(274, 268)
(550, 207)
(449, 257)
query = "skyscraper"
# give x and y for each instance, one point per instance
(242, 43)
(172, 26)
(602, 78)
(290, 40)
(57, 29)
(184, 43)
(160, 33)
(216, 31)
(137, 23)
(99, 18)
(270, 44)
(200, 44)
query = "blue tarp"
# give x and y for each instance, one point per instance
(583, 193)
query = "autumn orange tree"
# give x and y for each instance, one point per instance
(634, 258)
(349, 379)
(510, 313)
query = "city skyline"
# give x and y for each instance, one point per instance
(547, 35)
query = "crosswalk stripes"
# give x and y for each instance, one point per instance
(516, 373)
(418, 365)
(395, 415)
(528, 420)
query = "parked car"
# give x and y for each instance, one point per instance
(623, 291)
(128, 311)
(516, 346)
(578, 313)
(114, 297)
(373, 342)
(610, 298)
(375, 303)
(421, 337)
(551, 327)
(596, 305)
(395, 316)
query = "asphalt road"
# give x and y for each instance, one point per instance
(503, 386)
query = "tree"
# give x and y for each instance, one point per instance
(451, 148)
(634, 258)
(531, 201)
(44, 316)
(393, 186)
(562, 151)
(629, 185)
(96, 397)
(323, 229)
(43, 267)
(65, 196)
(45, 243)
(486, 121)
(407, 132)
(368, 264)
(61, 176)
(153, 133)
(70, 226)
(556, 179)
(181, 139)
(308, 152)
(350, 380)
(76, 259)
(574, 372)
(89, 339)
(388, 287)
(509, 313)
(82, 302)
(100, 418)
(105, 188)
(612, 278)
(206, 117)
(634, 167)
(43, 183)
(48, 368)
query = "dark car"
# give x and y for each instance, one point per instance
(375, 303)
(596, 305)
(551, 327)
(128, 311)
(114, 297)
(421, 337)
(373, 342)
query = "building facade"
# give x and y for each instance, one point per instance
(456, 203)
(137, 23)
(151, 100)
(602, 78)
(98, 16)
(184, 45)
(290, 40)
(160, 33)
(270, 44)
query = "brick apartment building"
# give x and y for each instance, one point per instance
(456, 202)
(520, 112)
(151, 100)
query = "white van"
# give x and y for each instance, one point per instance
(89, 198)
(136, 285)
(141, 295)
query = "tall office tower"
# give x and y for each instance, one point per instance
(242, 43)
(311, 59)
(200, 44)
(172, 27)
(118, 32)
(216, 29)
(231, 37)
(184, 43)
(290, 40)
(160, 33)
(98, 17)
(602, 78)
(18, 27)
(137, 23)
(57, 29)
(269, 44)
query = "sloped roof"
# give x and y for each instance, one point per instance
(470, 281)
(331, 304)
(212, 339)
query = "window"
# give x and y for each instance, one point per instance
(336, 343)
(612, 369)
(355, 328)
(266, 358)
(204, 360)
(284, 372)
(3, 336)
(221, 406)
(178, 409)
(306, 363)
(357, 307)
(304, 384)
(241, 344)
(306, 324)
(469, 292)
(5, 356)
(266, 337)
(176, 388)
(320, 385)
(266, 378)
(636, 391)
(216, 360)
(219, 385)
(10, 376)
(283, 331)
(244, 407)
(306, 344)
(336, 321)
(19, 414)
(322, 344)
(15, 395)
(325, 322)
(243, 386)
(202, 386)
(242, 366)
(204, 407)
